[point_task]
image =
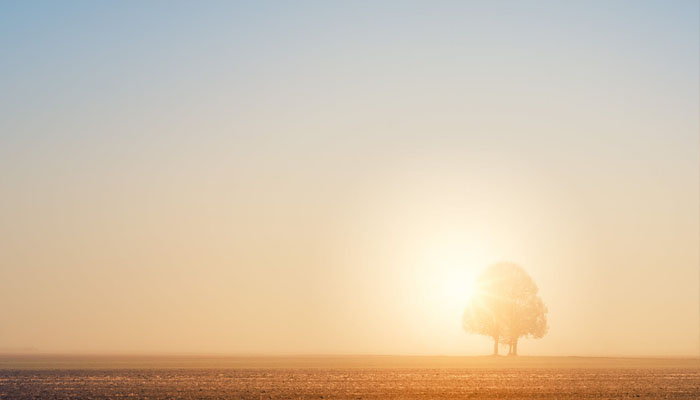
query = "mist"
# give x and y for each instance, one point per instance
(262, 178)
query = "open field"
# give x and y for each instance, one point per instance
(346, 377)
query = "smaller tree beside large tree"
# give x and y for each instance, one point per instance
(506, 307)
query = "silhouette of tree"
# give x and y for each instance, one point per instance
(506, 307)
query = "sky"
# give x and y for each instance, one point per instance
(258, 177)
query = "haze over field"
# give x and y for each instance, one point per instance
(329, 177)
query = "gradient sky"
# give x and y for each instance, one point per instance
(327, 177)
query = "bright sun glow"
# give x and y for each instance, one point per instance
(449, 270)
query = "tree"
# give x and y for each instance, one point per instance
(505, 307)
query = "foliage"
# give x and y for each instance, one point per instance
(506, 306)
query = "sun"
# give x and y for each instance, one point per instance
(448, 279)
(458, 286)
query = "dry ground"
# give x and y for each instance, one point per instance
(355, 377)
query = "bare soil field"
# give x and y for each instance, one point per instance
(356, 377)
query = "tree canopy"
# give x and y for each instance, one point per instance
(506, 306)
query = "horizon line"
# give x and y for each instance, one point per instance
(327, 355)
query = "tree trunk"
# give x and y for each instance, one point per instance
(495, 345)
(515, 347)
(510, 348)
